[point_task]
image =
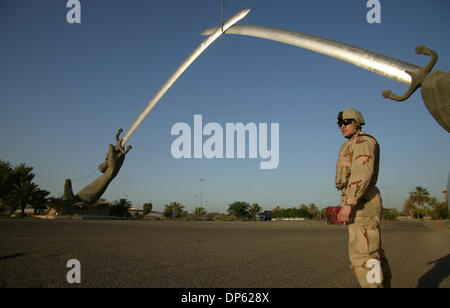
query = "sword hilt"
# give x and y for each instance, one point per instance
(417, 77)
(119, 143)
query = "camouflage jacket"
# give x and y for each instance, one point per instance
(357, 167)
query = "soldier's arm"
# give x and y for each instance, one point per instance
(361, 170)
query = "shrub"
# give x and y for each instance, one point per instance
(390, 214)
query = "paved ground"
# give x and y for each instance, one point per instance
(34, 253)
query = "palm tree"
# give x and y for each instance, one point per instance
(16, 187)
(409, 207)
(5, 179)
(120, 208)
(314, 210)
(173, 210)
(38, 200)
(254, 210)
(434, 204)
(199, 211)
(123, 202)
(22, 195)
(304, 211)
(419, 195)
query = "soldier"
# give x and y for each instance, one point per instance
(356, 177)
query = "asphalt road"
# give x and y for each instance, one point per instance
(176, 254)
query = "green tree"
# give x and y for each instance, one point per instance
(313, 211)
(147, 207)
(21, 195)
(199, 212)
(254, 210)
(390, 214)
(174, 210)
(441, 210)
(409, 208)
(323, 213)
(304, 212)
(420, 213)
(5, 179)
(433, 204)
(239, 209)
(18, 190)
(276, 212)
(438, 209)
(38, 201)
(21, 174)
(120, 208)
(419, 196)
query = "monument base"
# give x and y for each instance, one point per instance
(61, 207)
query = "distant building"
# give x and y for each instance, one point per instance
(135, 212)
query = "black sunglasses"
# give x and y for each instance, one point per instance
(345, 122)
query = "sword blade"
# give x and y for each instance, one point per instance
(380, 64)
(191, 58)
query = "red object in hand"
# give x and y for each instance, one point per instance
(332, 215)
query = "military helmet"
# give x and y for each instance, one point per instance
(351, 114)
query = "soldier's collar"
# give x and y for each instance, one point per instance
(356, 135)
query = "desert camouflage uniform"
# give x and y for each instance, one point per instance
(356, 177)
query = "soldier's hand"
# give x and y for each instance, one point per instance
(344, 214)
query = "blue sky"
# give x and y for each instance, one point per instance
(67, 88)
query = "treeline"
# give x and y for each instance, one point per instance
(17, 190)
(420, 204)
(303, 211)
(236, 211)
(241, 210)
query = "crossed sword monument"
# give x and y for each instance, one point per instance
(435, 89)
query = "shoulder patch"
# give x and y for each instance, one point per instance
(370, 137)
(359, 140)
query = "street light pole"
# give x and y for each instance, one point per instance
(201, 192)
(387, 194)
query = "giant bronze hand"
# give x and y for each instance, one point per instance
(110, 168)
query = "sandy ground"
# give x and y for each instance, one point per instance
(177, 254)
